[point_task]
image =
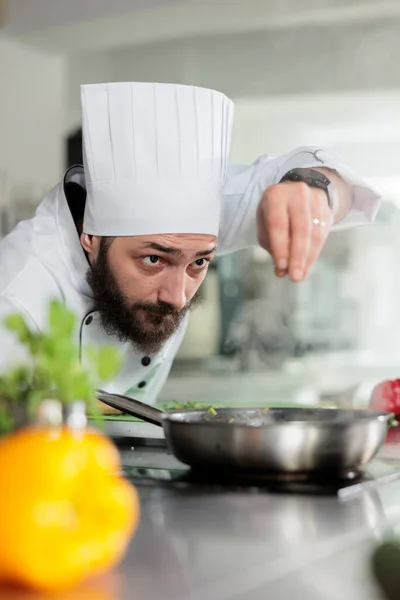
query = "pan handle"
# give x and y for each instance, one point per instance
(148, 413)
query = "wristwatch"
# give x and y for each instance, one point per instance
(314, 179)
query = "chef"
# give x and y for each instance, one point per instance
(125, 241)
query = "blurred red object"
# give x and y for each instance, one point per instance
(386, 396)
(393, 436)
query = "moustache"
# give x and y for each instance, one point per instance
(161, 309)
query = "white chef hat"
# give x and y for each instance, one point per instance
(155, 158)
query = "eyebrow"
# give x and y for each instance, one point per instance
(176, 251)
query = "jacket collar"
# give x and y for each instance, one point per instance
(70, 247)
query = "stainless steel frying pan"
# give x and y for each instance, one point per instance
(288, 440)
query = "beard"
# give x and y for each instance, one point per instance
(147, 325)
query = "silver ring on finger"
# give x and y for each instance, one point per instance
(319, 222)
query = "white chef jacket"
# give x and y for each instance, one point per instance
(42, 259)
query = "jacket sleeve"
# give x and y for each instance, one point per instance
(11, 351)
(245, 186)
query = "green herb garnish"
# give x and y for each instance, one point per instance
(185, 406)
(54, 369)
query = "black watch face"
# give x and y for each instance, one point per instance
(317, 176)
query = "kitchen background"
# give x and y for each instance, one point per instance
(301, 72)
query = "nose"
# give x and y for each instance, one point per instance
(173, 289)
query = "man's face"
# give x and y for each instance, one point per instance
(144, 285)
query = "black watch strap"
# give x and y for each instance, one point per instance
(312, 178)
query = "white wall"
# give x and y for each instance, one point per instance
(31, 116)
(284, 91)
(162, 20)
(363, 127)
(326, 59)
(83, 68)
(32, 15)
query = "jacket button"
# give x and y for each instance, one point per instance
(141, 384)
(88, 320)
(146, 360)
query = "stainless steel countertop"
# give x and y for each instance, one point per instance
(247, 546)
(256, 546)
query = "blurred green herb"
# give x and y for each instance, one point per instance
(190, 405)
(55, 370)
(385, 566)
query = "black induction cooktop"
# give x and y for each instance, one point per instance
(156, 472)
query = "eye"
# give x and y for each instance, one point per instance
(151, 260)
(200, 263)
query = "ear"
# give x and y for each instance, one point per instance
(90, 243)
(87, 242)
